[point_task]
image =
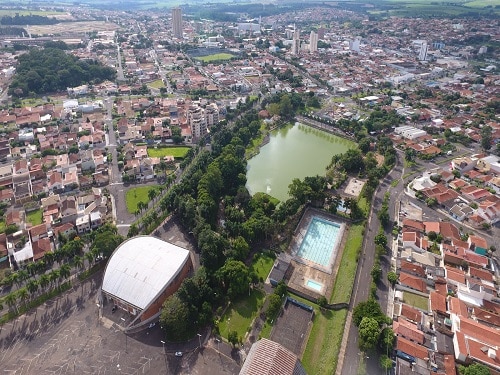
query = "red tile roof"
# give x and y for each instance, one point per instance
(413, 282)
(411, 313)
(408, 330)
(438, 303)
(411, 348)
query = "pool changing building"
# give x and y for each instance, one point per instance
(141, 273)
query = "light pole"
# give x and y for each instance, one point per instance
(163, 344)
(218, 342)
(199, 340)
(126, 339)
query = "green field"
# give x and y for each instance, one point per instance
(416, 301)
(347, 271)
(34, 217)
(215, 57)
(322, 350)
(136, 195)
(176, 152)
(239, 315)
(23, 12)
(156, 84)
(262, 266)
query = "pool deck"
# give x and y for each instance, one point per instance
(304, 270)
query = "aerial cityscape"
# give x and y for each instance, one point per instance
(250, 188)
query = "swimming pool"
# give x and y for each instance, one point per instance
(314, 285)
(319, 241)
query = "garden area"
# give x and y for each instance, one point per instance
(239, 315)
(160, 152)
(419, 302)
(34, 217)
(137, 197)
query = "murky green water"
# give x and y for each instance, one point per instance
(297, 151)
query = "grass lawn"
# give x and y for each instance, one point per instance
(416, 301)
(34, 217)
(322, 349)
(262, 266)
(364, 205)
(394, 183)
(256, 142)
(176, 152)
(156, 84)
(2, 226)
(239, 315)
(136, 195)
(215, 57)
(347, 271)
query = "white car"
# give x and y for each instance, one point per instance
(178, 354)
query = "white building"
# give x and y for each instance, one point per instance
(141, 273)
(313, 42)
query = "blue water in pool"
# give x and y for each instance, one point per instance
(319, 241)
(314, 285)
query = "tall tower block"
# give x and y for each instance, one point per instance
(177, 22)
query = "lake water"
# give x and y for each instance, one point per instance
(296, 151)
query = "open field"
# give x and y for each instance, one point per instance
(347, 271)
(322, 350)
(136, 195)
(176, 152)
(429, 8)
(156, 84)
(73, 27)
(215, 57)
(23, 12)
(416, 301)
(239, 315)
(34, 217)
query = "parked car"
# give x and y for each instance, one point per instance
(178, 354)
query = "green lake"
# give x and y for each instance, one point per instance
(296, 151)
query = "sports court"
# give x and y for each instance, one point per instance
(291, 328)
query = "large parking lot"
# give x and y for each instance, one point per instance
(66, 336)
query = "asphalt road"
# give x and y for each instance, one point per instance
(363, 277)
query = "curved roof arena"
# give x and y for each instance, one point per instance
(140, 269)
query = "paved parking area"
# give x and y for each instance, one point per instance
(65, 336)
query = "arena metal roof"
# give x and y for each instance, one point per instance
(141, 267)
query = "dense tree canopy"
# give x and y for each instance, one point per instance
(369, 332)
(51, 69)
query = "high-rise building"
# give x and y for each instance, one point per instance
(177, 22)
(313, 42)
(296, 41)
(197, 121)
(422, 56)
(354, 45)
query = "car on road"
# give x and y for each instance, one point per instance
(178, 354)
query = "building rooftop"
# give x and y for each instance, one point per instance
(140, 268)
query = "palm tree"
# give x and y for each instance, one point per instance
(32, 286)
(11, 299)
(54, 276)
(31, 268)
(78, 262)
(152, 194)
(64, 271)
(89, 257)
(23, 275)
(13, 278)
(40, 267)
(22, 294)
(44, 281)
(48, 258)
